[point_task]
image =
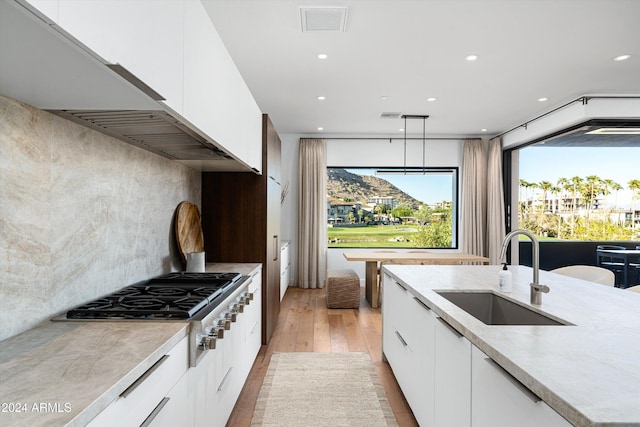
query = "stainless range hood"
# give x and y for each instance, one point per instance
(154, 131)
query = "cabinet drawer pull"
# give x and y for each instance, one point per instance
(225, 379)
(155, 412)
(531, 395)
(451, 328)
(144, 376)
(253, 328)
(403, 288)
(276, 252)
(404, 343)
(423, 305)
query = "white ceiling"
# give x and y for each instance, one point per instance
(409, 51)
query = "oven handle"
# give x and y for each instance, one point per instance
(144, 376)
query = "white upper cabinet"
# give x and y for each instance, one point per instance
(170, 50)
(143, 36)
(216, 98)
(48, 7)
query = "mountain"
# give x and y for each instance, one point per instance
(342, 184)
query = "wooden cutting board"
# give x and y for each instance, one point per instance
(188, 230)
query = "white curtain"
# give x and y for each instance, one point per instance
(495, 201)
(312, 214)
(474, 178)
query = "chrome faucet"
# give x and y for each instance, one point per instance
(536, 288)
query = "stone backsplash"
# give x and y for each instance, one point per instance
(81, 214)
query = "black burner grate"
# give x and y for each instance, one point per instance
(172, 296)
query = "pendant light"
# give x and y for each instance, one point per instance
(424, 131)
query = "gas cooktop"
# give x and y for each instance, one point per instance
(172, 296)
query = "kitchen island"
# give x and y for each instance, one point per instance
(585, 370)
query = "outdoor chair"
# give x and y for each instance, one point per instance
(609, 261)
(599, 275)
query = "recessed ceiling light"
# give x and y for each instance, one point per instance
(483, 130)
(472, 57)
(431, 99)
(622, 57)
(322, 56)
(320, 128)
(321, 98)
(542, 99)
(384, 98)
(401, 130)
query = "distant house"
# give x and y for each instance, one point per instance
(340, 212)
(388, 200)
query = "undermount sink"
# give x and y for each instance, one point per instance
(493, 309)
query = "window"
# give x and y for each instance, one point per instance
(392, 207)
(580, 192)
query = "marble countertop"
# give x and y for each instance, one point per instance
(244, 268)
(588, 372)
(66, 372)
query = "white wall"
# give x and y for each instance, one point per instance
(288, 213)
(384, 153)
(81, 215)
(356, 153)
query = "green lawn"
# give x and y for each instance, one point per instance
(372, 236)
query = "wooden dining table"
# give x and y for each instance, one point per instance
(373, 258)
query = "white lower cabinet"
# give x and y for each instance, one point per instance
(446, 380)
(452, 377)
(172, 394)
(146, 397)
(176, 409)
(219, 377)
(498, 399)
(408, 335)
(285, 271)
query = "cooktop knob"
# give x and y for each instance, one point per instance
(224, 323)
(217, 332)
(211, 343)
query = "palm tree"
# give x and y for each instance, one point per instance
(546, 186)
(611, 185)
(576, 183)
(634, 186)
(524, 200)
(565, 184)
(590, 191)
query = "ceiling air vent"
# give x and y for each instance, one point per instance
(390, 115)
(323, 19)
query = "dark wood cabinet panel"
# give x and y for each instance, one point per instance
(272, 153)
(241, 222)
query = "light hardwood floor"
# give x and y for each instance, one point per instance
(306, 324)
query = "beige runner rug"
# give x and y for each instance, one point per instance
(322, 389)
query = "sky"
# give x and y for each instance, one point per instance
(537, 163)
(540, 163)
(425, 188)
